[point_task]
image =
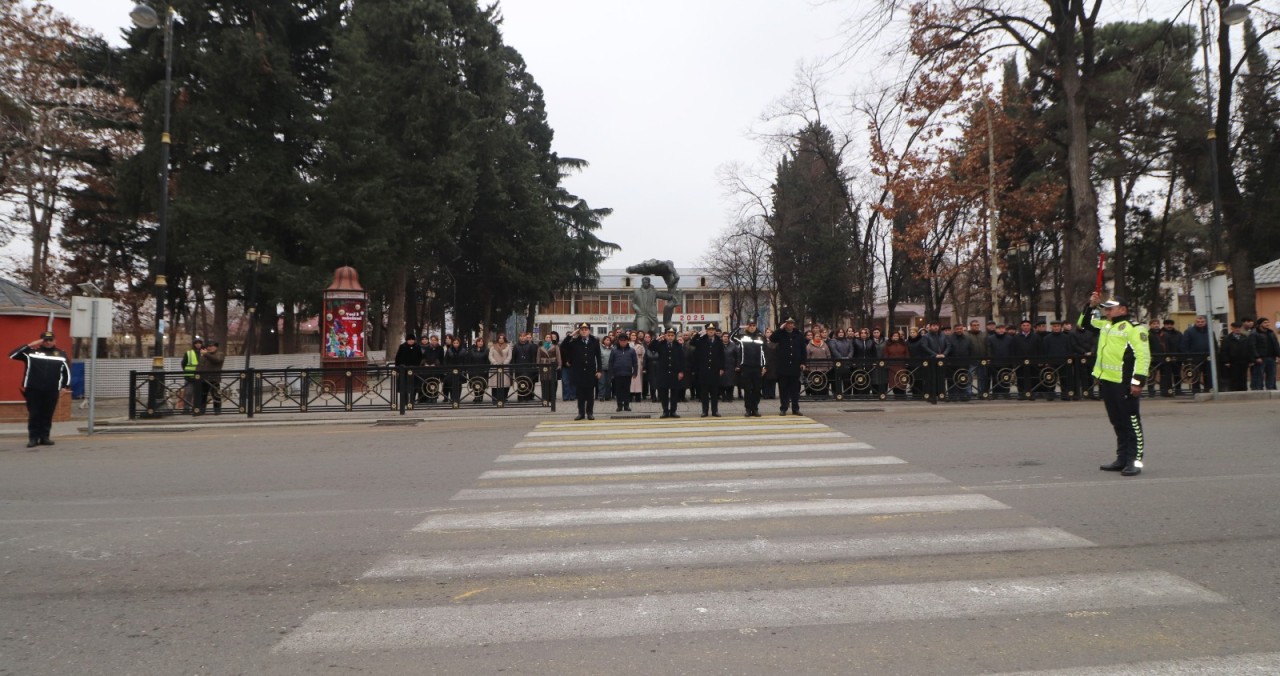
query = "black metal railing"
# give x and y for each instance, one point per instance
(315, 390)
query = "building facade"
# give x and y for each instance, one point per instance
(701, 300)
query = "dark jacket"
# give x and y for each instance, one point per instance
(751, 351)
(999, 346)
(432, 356)
(961, 346)
(936, 344)
(790, 352)
(1238, 350)
(918, 348)
(668, 362)
(1170, 341)
(1265, 344)
(582, 359)
(409, 355)
(524, 353)
(1025, 346)
(1196, 341)
(842, 349)
(865, 349)
(47, 369)
(708, 359)
(623, 362)
(1057, 345)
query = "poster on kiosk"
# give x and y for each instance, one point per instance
(344, 316)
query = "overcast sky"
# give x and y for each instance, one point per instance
(657, 96)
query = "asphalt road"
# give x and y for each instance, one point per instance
(958, 539)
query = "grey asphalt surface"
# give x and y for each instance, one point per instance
(211, 550)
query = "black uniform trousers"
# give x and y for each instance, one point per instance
(40, 407)
(1122, 411)
(667, 397)
(708, 393)
(789, 393)
(586, 394)
(622, 391)
(749, 380)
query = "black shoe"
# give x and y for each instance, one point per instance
(627, 407)
(664, 415)
(782, 412)
(795, 411)
(32, 443)
(1131, 470)
(1114, 467)
(580, 417)
(704, 415)
(715, 415)
(590, 417)
(619, 409)
(674, 415)
(46, 441)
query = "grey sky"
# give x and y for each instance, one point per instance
(656, 96)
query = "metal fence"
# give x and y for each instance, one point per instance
(941, 380)
(398, 389)
(315, 390)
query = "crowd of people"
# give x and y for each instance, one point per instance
(853, 361)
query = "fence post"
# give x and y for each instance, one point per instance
(403, 375)
(133, 395)
(250, 391)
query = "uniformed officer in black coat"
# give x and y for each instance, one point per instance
(667, 371)
(708, 366)
(581, 355)
(751, 367)
(46, 375)
(789, 365)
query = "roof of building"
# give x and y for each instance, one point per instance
(19, 300)
(612, 279)
(1267, 274)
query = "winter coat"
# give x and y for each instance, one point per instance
(549, 357)
(732, 355)
(668, 363)
(210, 367)
(791, 354)
(406, 355)
(895, 353)
(841, 348)
(623, 362)
(708, 359)
(637, 381)
(582, 360)
(1195, 340)
(500, 356)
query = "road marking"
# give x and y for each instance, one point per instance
(681, 439)
(668, 468)
(726, 552)
(718, 611)
(1254, 663)
(726, 485)
(651, 423)
(609, 431)
(672, 452)
(687, 513)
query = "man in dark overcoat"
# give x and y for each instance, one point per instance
(581, 356)
(668, 371)
(789, 365)
(707, 367)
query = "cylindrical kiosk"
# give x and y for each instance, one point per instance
(342, 343)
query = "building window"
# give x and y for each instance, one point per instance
(592, 304)
(620, 305)
(626, 282)
(702, 282)
(702, 303)
(559, 306)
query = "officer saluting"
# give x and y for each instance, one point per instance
(789, 365)
(751, 367)
(46, 375)
(581, 355)
(708, 366)
(1124, 360)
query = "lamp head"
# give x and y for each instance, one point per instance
(1233, 15)
(144, 17)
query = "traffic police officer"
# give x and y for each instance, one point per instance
(1122, 369)
(751, 367)
(46, 375)
(708, 366)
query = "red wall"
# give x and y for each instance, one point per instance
(17, 330)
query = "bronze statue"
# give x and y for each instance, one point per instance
(645, 297)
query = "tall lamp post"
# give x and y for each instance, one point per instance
(1228, 16)
(259, 259)
(146, 17)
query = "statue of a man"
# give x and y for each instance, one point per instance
(644, 299)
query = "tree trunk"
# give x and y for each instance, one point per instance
(221, 301)
(1120, 211)
(1080, 238)
(289, 330)
(1239, 225)
(395, 309)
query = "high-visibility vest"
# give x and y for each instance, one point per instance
(192, 361)
(1124, 350)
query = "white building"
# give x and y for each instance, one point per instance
(609, 306)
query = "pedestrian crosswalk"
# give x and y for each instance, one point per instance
(582, 534)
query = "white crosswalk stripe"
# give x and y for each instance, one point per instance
(598, 516)
(635, 616)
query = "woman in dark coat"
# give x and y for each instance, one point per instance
(895, 353)
(728, 379)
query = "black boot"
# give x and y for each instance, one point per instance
(1116, 466)
(32, 443)
(1131, 469)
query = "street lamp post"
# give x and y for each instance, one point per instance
(146, 17)
(1228, 16)
(259, 259)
